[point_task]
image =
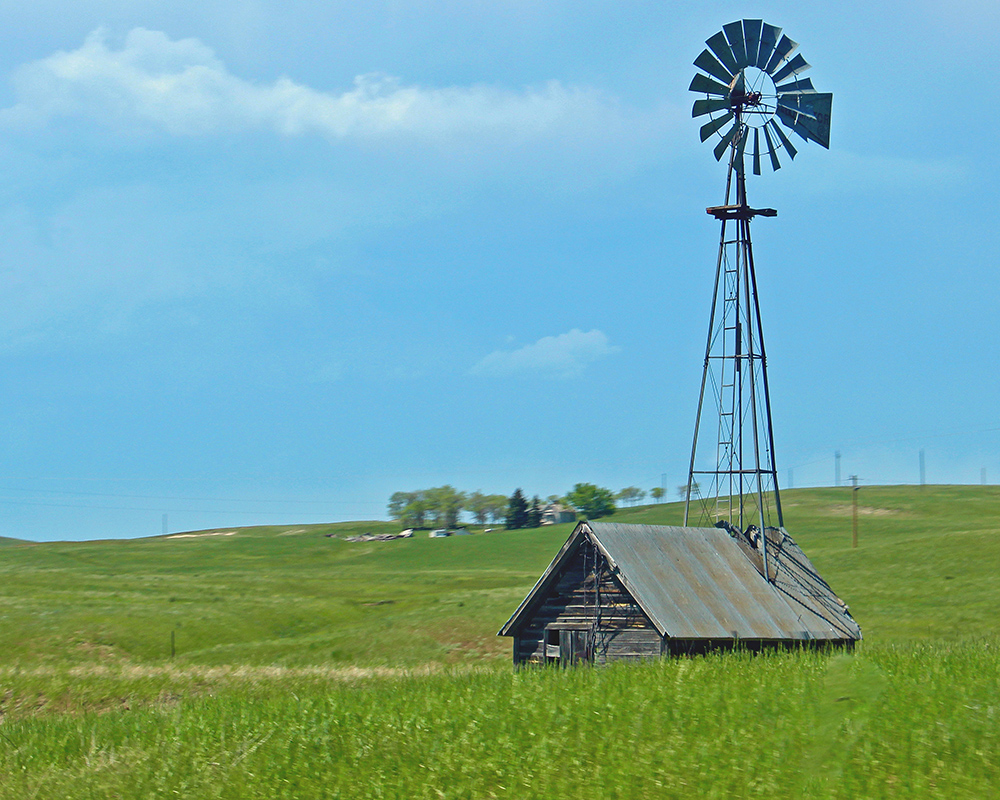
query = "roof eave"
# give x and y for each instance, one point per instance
(565, 552)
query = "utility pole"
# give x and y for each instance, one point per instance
(836, 468)
(922, 473)
(854, 511)
(790, 482)
(982, 476)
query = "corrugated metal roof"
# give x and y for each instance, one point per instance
(702, 583)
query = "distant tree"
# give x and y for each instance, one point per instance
(534, 513)
(478, 504)
(682, 490)
(517, 511)
(410, 508)
(444, 503)
(657, 493)
(552, 499)
(630, 495)
(592, 501)
(397, 503)
(497, 507)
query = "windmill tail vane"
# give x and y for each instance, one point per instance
(750, 78)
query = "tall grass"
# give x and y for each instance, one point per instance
(886, 722)
(310, 667)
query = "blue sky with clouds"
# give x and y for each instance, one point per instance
(270, 262)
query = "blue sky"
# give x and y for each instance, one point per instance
(271, 262)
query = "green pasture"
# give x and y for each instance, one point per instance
(308, 666)
(925, 569)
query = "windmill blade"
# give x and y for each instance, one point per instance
(804, 85)
(702, 107)
(771, 150)
(711, 127)
(708, 86)
(734, 33)
(796, 65)
(782, 50)
(727, 140)
(768, 39)
(814, 104)
(784, 139)
(710, 64)
(751, 35)
(796, 122)
(788, 119)
(756, 151)
(718, 45)
(807, 127)
(819, 128)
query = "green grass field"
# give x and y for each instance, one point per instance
(307, 666)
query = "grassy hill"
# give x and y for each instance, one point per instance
(308, 666)
(292, 595)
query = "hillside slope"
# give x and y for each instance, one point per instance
(925, 569)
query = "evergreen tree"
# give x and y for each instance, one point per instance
(534, 513)
(517, 511)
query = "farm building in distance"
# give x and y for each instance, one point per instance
(619, 591)
(556, 513)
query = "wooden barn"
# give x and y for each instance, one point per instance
(643, 591)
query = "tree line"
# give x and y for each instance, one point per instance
(442, 506)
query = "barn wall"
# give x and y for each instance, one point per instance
(629, 644)
(624, 632)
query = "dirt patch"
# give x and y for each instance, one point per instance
(847, 510)
(199, 535)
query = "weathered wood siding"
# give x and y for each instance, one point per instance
(629, 644)
(587, 596)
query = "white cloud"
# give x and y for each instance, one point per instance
(562, 356)
(182, 88)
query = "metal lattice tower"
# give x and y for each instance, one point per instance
(751, 84)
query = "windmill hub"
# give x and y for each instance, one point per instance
(752, 97)
(741, 99)
(737, 99)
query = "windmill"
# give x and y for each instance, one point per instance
(752, 91)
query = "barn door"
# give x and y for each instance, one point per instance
(575, 646)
